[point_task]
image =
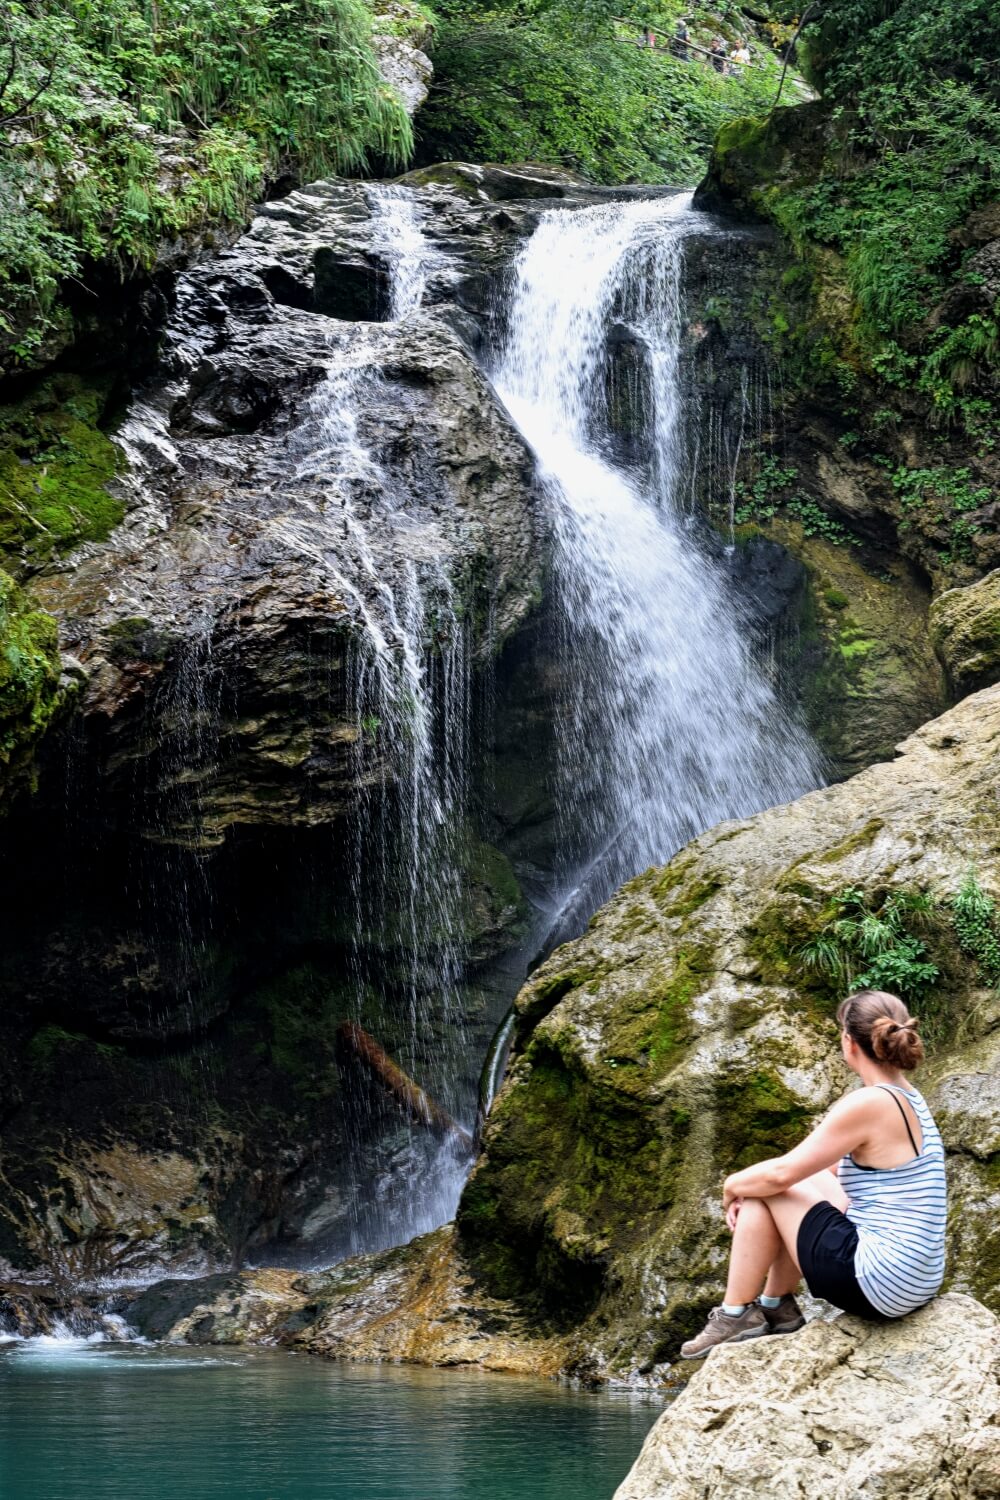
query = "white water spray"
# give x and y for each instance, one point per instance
(669, 726)
(398, 238)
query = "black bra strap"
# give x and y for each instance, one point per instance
(899, 1105)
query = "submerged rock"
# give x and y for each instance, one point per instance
(417, 1304)
(842, 1409)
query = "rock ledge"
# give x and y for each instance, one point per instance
(841, 1410)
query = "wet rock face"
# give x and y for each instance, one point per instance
(847, 629)
(907, 1410)
(223, 611)
(314, 490)
(684, 1035)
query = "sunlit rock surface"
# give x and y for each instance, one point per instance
(843, 1409)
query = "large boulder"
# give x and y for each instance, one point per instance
(685, 1034)
(840, 1410)
(965, 630)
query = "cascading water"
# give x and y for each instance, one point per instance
(667, 725)
(399, 240)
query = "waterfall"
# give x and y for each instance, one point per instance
(668, 724)
(399, 240)
(412, 713)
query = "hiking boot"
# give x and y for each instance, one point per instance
(722, 1328)
(786, 1317)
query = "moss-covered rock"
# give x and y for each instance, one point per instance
(864, 666)
(684, 1035)
(55, 465)
(965, 631)
(30, 690)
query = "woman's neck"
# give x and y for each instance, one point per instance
(873, 1073)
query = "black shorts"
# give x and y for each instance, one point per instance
(825, 1250)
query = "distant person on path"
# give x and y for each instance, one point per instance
(678, 45)
(739, 57)
(718, 54)
(858, 1208)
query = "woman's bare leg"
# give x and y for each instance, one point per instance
(766, 1235)
(783, 1275)
(756, 1244)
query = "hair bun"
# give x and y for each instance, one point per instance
(882, 1026)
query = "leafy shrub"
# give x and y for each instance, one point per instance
(567, 87)
(128, 121)
(769, 491)
(915, 149)
(974, 915)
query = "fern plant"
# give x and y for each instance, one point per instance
(974, 915)
(864, 946)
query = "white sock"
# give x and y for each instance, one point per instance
(769, 1301)
(733, 1309)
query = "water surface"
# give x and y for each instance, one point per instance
(113, 1422)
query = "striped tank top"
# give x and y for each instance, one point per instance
(900, 1214)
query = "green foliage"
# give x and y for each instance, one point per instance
(914, 149)
(552, 84)
(161, 115)
(947, 495)
(865, 945)
(769, 491)
(974, 915)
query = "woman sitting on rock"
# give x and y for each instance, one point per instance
(858, 1208)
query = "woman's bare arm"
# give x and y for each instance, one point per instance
(845, 1129)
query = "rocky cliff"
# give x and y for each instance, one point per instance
(305, 499)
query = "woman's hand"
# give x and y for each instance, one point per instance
(733, 1213)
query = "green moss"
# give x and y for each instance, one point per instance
(672, 1028)
(862, 838)
(760, 1117)
(49, 1049)
(137, 639)
(855, 650)
(575, 1166)
(666, 880)
(835, 599)
(55, 465)
(294, 1026)
(30, 691)
(694, 896)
